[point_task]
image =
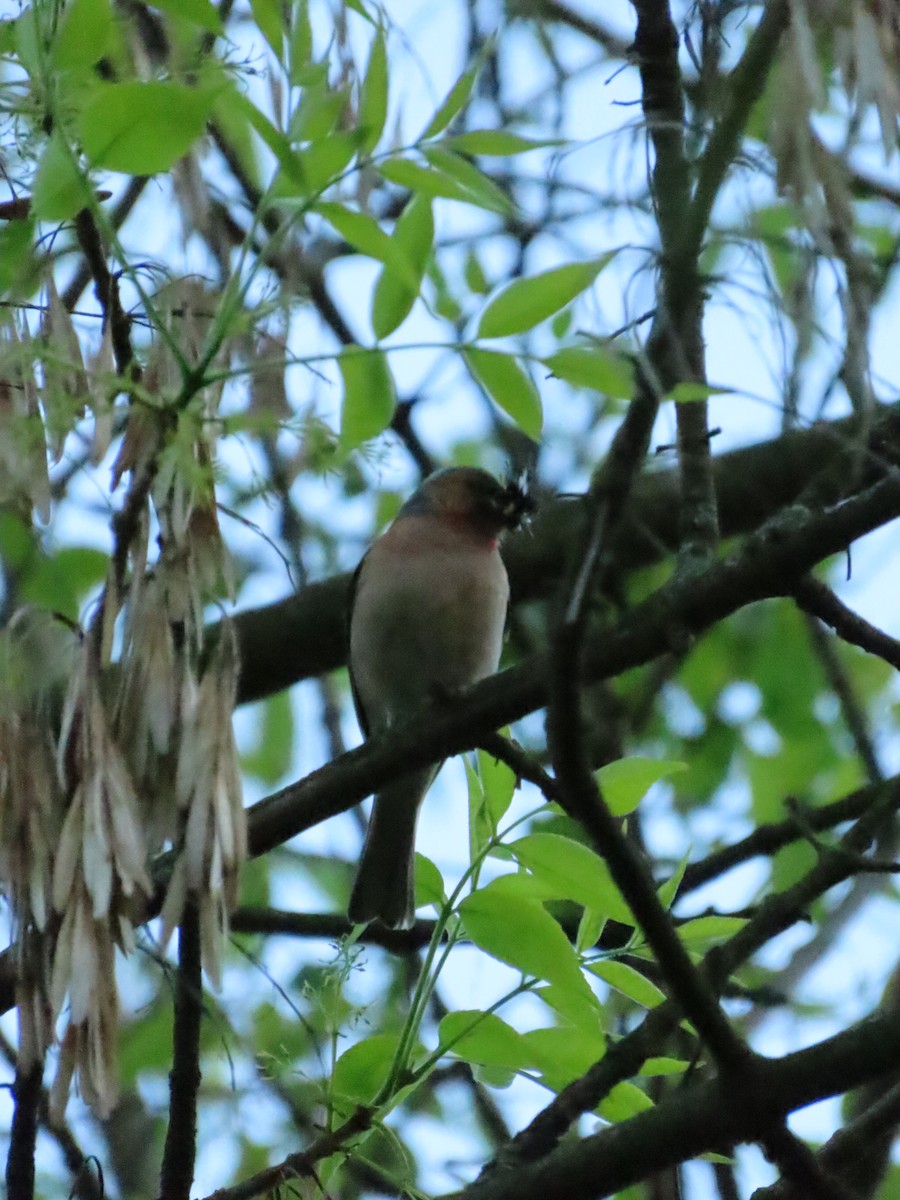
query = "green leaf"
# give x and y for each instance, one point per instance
(59, 583)
(399, 282)
(144, 1044)
(142, 128)
(267, 14)
(369, 398)
(480, 828)
(358, 229)
(453, 103)
(443, 300)
(524, 303)
(710, 930)
(572, 871)
(231, 112)
(564, 1053)
(429, 884)
(590, 926)
(237, 110)
(363, 1069)
(562, 323)
(628, 981)
(483, 1038)
(358, 7)
(198, 12)
(669, 890)
(625, 782)
(581, 1009)
(486, 193)
(664, 1066)
(599, 370)
(626, 1100)
(60, 190)
(300, 50)
(474, 275)
(430, 182)
(509, 386)
(270, 758)
(321, 163)
(16, 258)
(373, 99)
(497, 143)
(498, 782)
(83, 35)
(689, 392)
(318, 112)
(521, 933)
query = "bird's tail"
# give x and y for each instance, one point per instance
(385, 881)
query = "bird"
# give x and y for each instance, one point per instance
(427, 619)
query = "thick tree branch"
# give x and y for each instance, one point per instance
(768, 564)
(703, 1117)
(305, 634)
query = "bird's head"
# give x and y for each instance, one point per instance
(468, 495)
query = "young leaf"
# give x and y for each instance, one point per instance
(565, 1052)
(629, 982)
(581, 1009)
(590, 926)
(480, 830)
(496, 143)
(509, 386)
(664, 1066)
(397, 287)
(82, 36)
(689, 392)
(431, 182)
(668, 890)
(483, 1038)
(625, 782)
(624, 1101)
(270, 756)
(499, 784)
(473, 273)
(373, 99)
(522, 934)
(60, 190)
(239, 110)
(484, 191)
(142, 128)
(321, 163)
(320, 109)
(369, 399)
(300, 49)
(589, 367)
(524, 303)
(358, 7)
(361, 1070)
(267, 14)
(453, 103)
(710, 930)
(572, 871)
(358, 229)
(429, 884)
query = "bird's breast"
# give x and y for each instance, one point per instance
(424, 622)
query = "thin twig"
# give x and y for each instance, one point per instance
(180, 1152)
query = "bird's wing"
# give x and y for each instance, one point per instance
(357, 699)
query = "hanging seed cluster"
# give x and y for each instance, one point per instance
(116, 740)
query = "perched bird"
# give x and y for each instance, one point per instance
(427, 617)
